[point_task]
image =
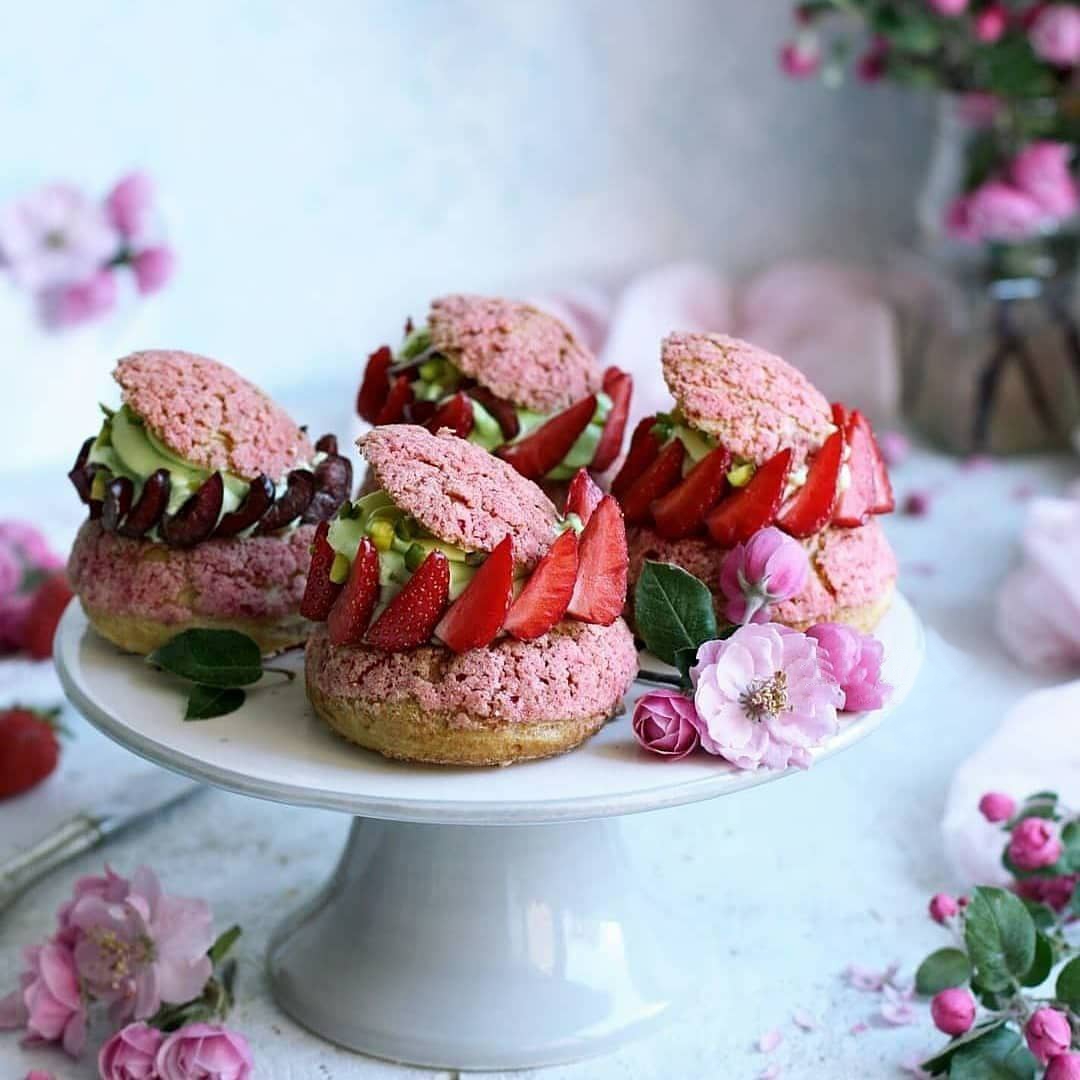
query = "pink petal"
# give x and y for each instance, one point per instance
(770, 1072)
(770, 1041)
(804, 1019)
(858, 1029)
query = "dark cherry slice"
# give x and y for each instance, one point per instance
(333, 483)
(117, 502)
(195, 520)
(150, 508)
(420, 412)
(257, 501)
(299, 491)
(327, 444)
(80, 475)
(503, 411)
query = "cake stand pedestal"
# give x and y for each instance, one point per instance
(478, 918)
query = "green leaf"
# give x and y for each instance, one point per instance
(999, 1055)
(1043, 963)
(224, 943)
(1070, 837)
(1013, 70)
(672, 610)
(1068, 984)
(1042, 915)
(211, 657)
(942, 970)
(1000, 937)
(939, 1063)
(684, 661)
(206, 702)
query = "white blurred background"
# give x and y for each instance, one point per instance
(327, 167)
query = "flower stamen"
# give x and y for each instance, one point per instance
(766, 697)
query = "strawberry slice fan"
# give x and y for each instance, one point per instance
(656, 488)
(582, 578)
(386, 396)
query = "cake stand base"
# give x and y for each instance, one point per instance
(478, 947)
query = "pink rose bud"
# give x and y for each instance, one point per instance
(130, 1053)
(1034, 844)
(1041, 170)
(999, 211)
(991, 23)
(206, 1052)
(1048, 1034)
(665, 723)
(801, 58)
(953, 1011)
(1064, 1067)
(153, 267)
(1054, 892)
(1055, 35)
(128, 204)
(943, 907)
(949, 7)
(995, 806)
(872, 65)
(855, 659)
(768, 569)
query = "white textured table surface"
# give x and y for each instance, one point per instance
(784, 885)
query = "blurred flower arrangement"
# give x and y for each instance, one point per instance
(69, 252)
(998, 214)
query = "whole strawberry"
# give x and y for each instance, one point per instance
(50, 600)
(29, 749)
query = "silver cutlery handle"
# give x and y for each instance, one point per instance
(70, 839)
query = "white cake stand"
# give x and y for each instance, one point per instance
(439, 940)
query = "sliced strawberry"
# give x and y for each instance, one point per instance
(50, 600)
(29, 749)
(644, 450)
(884, 501)
(375, 387)
(857, 501)
(603, 562)
(546, 596)
(839, 414)
(619, 386)
(349, 617)
(681, 512)
(537, 454)
(393, 409)
(809, 510)
(420, 412)
(582, 497)
(411, 617)
(657, 480)
(454, 413)
(477, 615)
(320, 592)
(737, 518)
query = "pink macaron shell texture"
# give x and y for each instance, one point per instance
(520, 353)
(753, 402)
(849, 568)
(459, 492)
(207, 414)
(575, 671)
(252, 578)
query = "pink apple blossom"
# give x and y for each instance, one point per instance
(1055, 35)
(130, 1054)
(1048, 1034)
(129, 203)
(1034, 844)
(768, 569)
(764, 697)
(855, 659)
(204, 1052)
(54, 237)
(996, 806)
(665, 723)
(949, 7)
(81, 303)
(49, 1003)
(991, 23)
(153, 267)
(953, 1011)
(999, 211)
(1041, 170)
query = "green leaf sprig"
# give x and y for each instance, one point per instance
(218, 664)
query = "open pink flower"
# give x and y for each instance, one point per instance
(949, 7)
(665, 723)
(204, 1052)
(153, 267)
(1041, 170)
(1055, 35)
(764, 697)
(110, 887)
(130, 1054)
(768, 569)
(999, 211)
(1048, 1033)
(1035, 844)
(129, 203)
(146, 949)
(54, 237)
(74, 305)
(856, 664)
(49, 1003)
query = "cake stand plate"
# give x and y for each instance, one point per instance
(441, 939)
